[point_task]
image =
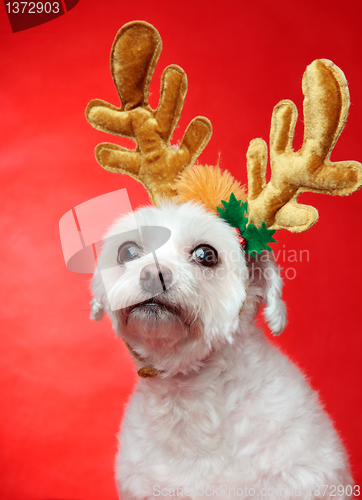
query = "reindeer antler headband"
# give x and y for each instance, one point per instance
(169, 171)
(325, 107)
(154, 163)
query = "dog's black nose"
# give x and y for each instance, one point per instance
(155, 279)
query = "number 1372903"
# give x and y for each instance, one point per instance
(32, 7)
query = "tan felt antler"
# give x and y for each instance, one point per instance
(154, 162)
(326, 103)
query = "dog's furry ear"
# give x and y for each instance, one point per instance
(97, 311)
(265, 279)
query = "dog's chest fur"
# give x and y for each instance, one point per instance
(248, 411)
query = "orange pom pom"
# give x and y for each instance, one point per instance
(207, 185)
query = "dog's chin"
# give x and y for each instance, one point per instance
(157, 325)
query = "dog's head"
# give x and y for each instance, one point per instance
(174, 304)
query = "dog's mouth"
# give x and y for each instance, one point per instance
(155, 309)
(158, 325)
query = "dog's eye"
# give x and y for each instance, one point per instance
(128, 251)
(205, 255)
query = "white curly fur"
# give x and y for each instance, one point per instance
(230, 416)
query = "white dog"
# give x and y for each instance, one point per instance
(227, 415)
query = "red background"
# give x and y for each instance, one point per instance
(64, 379)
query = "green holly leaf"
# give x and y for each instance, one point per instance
(257, 239)
(234, 213)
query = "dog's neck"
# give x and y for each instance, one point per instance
(147, 371)
(225, 351)
(227, 359)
